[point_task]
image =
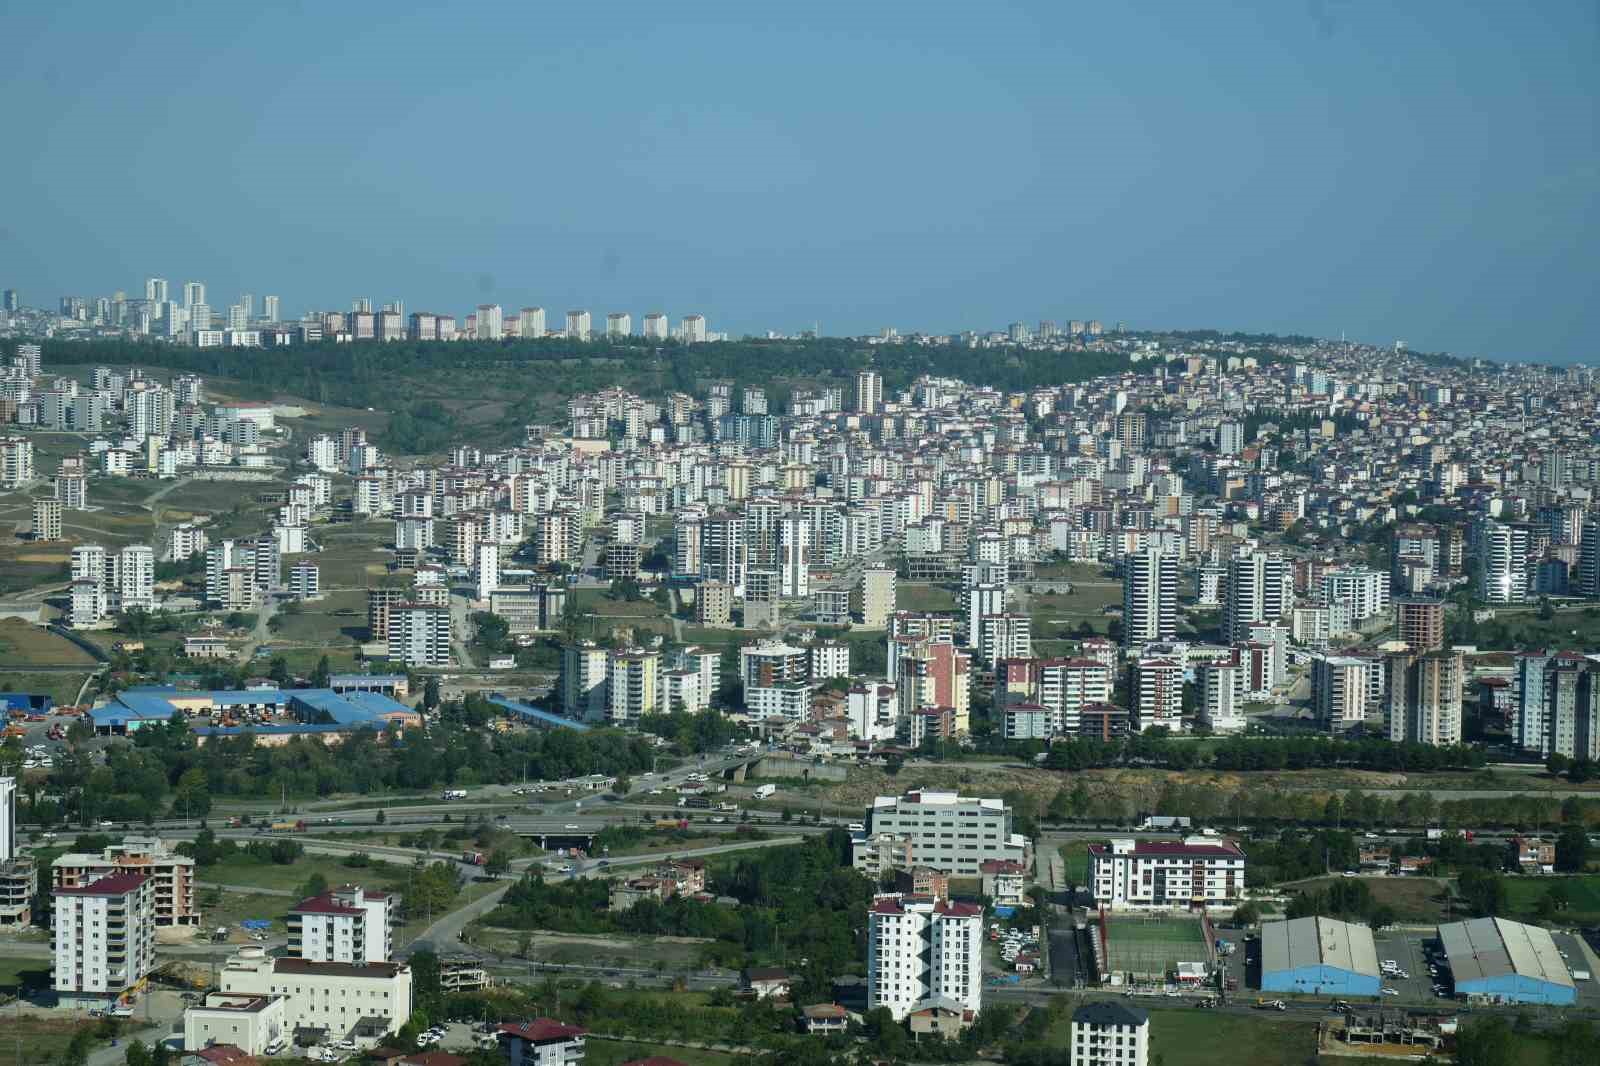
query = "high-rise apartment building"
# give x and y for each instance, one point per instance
(634, 684)
(578, 325)
(1157, 693)
(869, 392)
(104, 937)
(1424, 697)
(532, 321)
(16, 462)
(171, 875)
(619, 324)
(1259, 588)
(1221, 690)
(694, 329)
(419, 634)
(875, 597)
(1503, 550)
(656, 326)
(1419, 623)
(488, 324)
(923, 951)
(46, 519)
(794, 555)
(1149, 598)
(585, 681)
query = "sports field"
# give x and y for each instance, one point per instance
(1151, 947)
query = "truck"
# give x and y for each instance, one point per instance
(765, 791)
(672, 823)
(454, 794)
(288, 827)
(472, 858)
(1436, 833)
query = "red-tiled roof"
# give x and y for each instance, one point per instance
(117, 884)
(542, 1031)
(323, 904)
(958, 910)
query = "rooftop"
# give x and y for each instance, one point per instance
(1318, 941)
(1484, 948)
(114, 885)
(542, 1031)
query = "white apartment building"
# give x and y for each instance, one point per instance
(1149, 598)
(359, 1001)
(1340, 689)
(1362, 591)
(487, 571)
(184, 540)
(136, 577)
(1222, 701)
(1161, 874)
(419, 634)
(104, 935)
(956, 834)
(46, 520)
(253, 1024)
(16, 462)
(585, 681)
(347, 924)
(578, 326)
(634, 686)
(1259, 588)
(920, 949)
(1110, 1034)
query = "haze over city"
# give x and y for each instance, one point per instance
(1419, 172)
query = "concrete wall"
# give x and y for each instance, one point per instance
(779, 766)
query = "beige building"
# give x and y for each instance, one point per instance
(171, 875)
(876, 597)
(358, 1001)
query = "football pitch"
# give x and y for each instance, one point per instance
(1150, 947)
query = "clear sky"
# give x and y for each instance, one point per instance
(1422, 171)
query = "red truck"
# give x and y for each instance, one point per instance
(472, 858)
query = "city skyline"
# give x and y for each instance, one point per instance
(1329, 182)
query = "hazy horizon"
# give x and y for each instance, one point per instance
(1425, 174)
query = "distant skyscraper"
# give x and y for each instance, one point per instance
(248, 302)
(238, 317)
(13, 301)
(155, 290)
(1149, 598)
(532, 320)
(1260, 588)
(361, 305)
(578, 325)
(194, 292)
(270, 308)
(619, 324)
(869, 392)
(656, 327)
(488, 324)
(200, 316)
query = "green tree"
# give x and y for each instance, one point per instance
(1573, 1044)
(497, 865)
(315, 885)
(192, 798)
(322, 674)
(137, 1054)
(279, 671)
(1572, 849)
(430, 694)
(1485, 1041)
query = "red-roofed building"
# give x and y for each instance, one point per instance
(1004, 882)
(919, 949)
(104, 936)
(348, 924)
(1165, 874)
(541, 1042)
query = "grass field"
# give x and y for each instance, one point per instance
(598, 1052)
(337, 618)
(1209, 1038)
(24, 644)
(29, 972)
(915, 596)
(60, 685)
(1075, 856)
(1058, 615)
(240, 870)
(1414, 899)
(1524, 893)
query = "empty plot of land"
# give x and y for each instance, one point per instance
(23, 644)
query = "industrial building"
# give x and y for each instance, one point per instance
(1319, 956)
(1506, 961)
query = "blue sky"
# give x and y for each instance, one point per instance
(1423, 171)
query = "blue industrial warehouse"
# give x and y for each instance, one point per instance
(1506, 962)
(1319, 956)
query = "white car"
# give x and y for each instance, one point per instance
(1388, 991)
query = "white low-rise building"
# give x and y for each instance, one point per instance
(339, 1000)
(1110, 1034)
(541, 1042)
(253, 1024)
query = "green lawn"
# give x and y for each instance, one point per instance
(337, 618)
(613, 1052)
(241, 870)
(32, 972)
(61, 685)
(25, 644)
(1075, 856)
(915, 596)
(1524, 893)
